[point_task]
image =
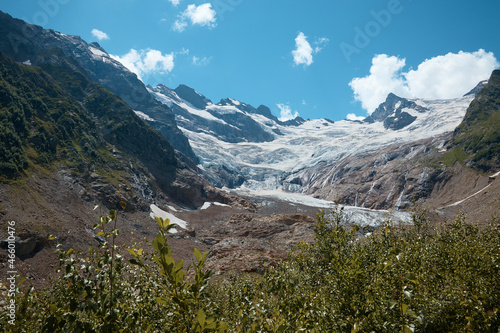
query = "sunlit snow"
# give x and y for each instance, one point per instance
(157, 212)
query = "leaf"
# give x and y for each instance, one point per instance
(162, 300)
(201, 317)
(123, 205)
(112, 214)
(211, 326)
(136, 262)
(411, 277)
(197, 254)
(404, 307)
(408, 329)
(223, 327)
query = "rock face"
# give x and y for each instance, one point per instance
(249, 243)
(394, 112)
(227, 120)
(393, 177)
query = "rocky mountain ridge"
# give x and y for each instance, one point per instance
(25, 42)
(377, 163)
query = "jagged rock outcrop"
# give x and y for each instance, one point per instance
(394, 112)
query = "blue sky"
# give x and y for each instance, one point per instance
(321, 58)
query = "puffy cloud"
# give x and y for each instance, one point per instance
(286, 112)
(385, 77)
(145, 62)
(202, 15)
(303, 53)
(446, 76)
(456, 73)
(352, 116)
(99, 34)
(175, 2)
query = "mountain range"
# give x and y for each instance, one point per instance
(374, 163)
(78, 128)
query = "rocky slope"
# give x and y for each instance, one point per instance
(24, 42)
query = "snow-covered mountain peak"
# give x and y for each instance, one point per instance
(396, 112)
(192, 96)
(240, 146)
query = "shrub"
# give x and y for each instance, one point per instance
(423, 277)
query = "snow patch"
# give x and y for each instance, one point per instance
(97, 52)
(157, 212)
(143, 116)
(206, 205)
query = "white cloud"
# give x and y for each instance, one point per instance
(179, 25)
(145, 62)
(303, 53)
(99, 34)
(352, 116)
(286, 112)
(201, 61)
(202, 15)
(175, 2)
(320, 43)
(447, 76)
(385, 77)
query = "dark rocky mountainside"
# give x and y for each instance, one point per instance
(25, 42)
(58, 118)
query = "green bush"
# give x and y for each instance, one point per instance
(423, 277)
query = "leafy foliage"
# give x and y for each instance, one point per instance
(424, 277)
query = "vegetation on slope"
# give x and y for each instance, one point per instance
(476, 141)
(52, 115)
(40, 122)
(417, 278)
